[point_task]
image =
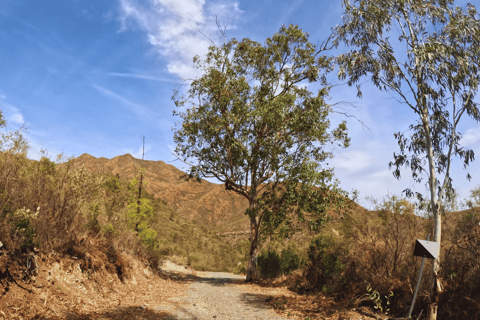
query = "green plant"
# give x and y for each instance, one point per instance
(109, 229)
(92, 218)
(240, 268)
(147, 235)
(138, 212)
(377, 300)
(290, 261)
(323, 262)
(440, 67)
(270, 136)
(191, 258)
(22, 222)
(268, 264)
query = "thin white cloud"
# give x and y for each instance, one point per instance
(134, 107)
(172, 27)
(139, 153)
(17, 118)
(140, 76)
(291, 8)
(471, 137)
(3, 97)
(11, 113)
(353, 161)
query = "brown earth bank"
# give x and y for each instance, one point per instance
(61, 290)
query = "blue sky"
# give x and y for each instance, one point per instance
(94, 76)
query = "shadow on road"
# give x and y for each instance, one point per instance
(191, 277)
(122, 313)
(256, 300)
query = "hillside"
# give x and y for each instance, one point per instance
(206, 203)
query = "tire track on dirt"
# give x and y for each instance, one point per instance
(214, 295)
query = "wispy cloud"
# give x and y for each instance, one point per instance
(140, 76)
(11, 113)
(138, 154)
(172, 27)
(291, 8)
(471, 137)
(353, 161)
(139, 110)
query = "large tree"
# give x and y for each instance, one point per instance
(251, 122)
(427, 54)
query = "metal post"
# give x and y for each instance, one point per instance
(418, 284)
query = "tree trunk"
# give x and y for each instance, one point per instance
(252, 259)
(437, 236)
(139, 197)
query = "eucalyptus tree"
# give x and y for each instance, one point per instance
(251, 122)
(427, 54)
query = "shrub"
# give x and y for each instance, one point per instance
(268, 264)
(92, 218)
(22, 222)
(240, 268)
(379, 250)
(290, 261)
(191, 258)
(323, 263)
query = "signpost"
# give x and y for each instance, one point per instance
(424, 249)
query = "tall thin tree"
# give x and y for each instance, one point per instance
(140, 184)
(427, 53)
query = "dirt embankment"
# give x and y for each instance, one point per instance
(61, 290)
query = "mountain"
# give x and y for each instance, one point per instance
(206, 203)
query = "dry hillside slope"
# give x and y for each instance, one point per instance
(204, 202)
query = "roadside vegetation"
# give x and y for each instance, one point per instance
(365, 259)
(360, 258)
(54, 207)
(250, 122)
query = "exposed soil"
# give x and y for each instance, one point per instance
(61, 290)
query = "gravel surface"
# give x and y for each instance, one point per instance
(213, 295)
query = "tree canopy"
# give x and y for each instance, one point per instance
(251, 122)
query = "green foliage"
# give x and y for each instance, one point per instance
(22, 221)
(138, 212)
(474, 201)
(240, 268)
(375, 296)
(109, 229)
(72, 202)
(92, 218)
(113, 195)
(192, 258)
(147, 235)
(269, 264)
(324, 262)
(249, 122)
(437, 78)
(290, 261)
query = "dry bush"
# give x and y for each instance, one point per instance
(460, 266)
(380, 252)
(376, 252)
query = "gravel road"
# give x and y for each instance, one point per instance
(213, 295)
